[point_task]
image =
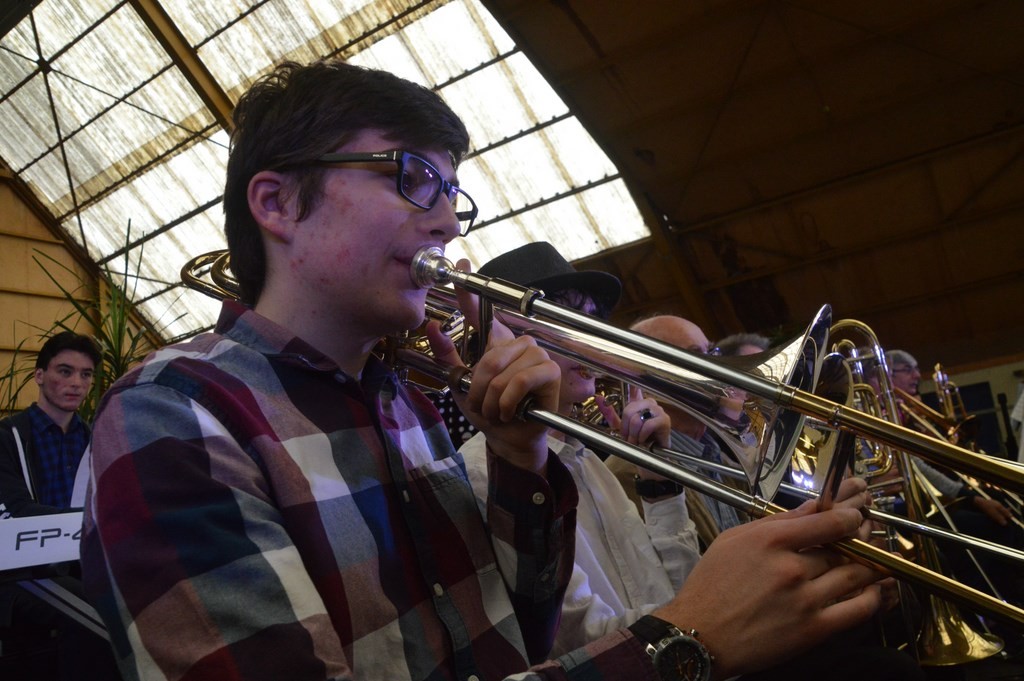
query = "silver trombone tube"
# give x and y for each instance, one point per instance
(430, 268)
(762, 437)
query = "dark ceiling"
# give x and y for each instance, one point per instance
(863, 154)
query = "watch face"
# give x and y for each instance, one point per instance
(682, 658)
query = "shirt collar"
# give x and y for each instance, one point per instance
(243, 325)
(41, 421)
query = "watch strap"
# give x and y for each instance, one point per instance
(655, 633)
(652, 630)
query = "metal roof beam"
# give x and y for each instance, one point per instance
(186, 59)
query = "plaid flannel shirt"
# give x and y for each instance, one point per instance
(255, 513)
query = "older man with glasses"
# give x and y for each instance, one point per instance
(975, 513)
(689, 434)
(905, 373)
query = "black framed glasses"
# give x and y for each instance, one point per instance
(904, 369)
(417, 181)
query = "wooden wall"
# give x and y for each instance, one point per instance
(29, 301)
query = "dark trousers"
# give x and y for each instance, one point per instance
(81, 654)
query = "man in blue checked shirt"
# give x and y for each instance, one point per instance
(41, 447)
(40, 451)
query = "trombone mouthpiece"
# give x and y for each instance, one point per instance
(430, 267)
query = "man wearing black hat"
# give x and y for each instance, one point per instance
(626, 573)
(623, 569)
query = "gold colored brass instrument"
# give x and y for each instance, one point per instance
(944, 426)
(964, 430)
(761, 437)
(872, 388)
(210, 273)
(945, 636)
(548, 319)
(776, 388)
(929, 420)
(949, 395)
(870, 393)
(614, 393)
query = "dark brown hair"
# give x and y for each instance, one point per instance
(299, 112)
(67, 340)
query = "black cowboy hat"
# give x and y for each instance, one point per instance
(539, 265)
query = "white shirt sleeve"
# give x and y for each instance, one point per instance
(674, 536)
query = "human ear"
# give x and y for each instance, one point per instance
(39, 376)
(272, 204)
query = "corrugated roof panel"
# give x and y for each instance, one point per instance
(441, 46)
(170, 98)
(105, 224)
(109, 154)
(576, 152)
(47, 179)
(580, 225)
(164, 194)
(529, 169)
(199, 19)
(15, 65)
(390, 54)
(276, 31)
(478, 38)
(181, 312)
(116, 56)
(76, 102)
(616, 219)
(162, 260)
(195, 236)
(58, 23)
(495, 106)
(26, 124)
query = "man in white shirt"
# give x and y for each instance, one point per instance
(625, 566)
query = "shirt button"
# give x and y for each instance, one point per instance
(473, 677)
(538, 498)
(438, 591)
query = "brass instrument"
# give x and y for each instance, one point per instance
(869, 392)
(947, 426)
(778, 389)
(929, 420)
(949, 396)
(945, 636)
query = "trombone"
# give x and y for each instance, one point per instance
(781, 382)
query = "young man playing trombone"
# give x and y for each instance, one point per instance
(267, 501)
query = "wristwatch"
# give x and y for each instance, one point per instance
(677, 655)
(652, 489)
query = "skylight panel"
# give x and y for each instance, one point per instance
(152, 155)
